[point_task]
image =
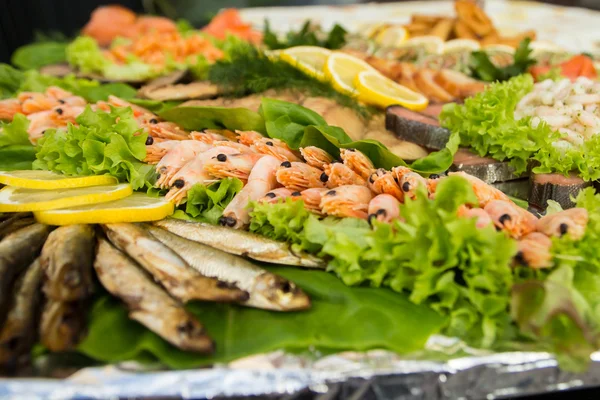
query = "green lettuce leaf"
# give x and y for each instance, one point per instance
(37, 55)
(10, 80)
(198, 118)
(205, 203)
(16, 157)
(486, 123)
(393, 323)
(95, 93)
(15, 132)
(102, 143)
(85, 54)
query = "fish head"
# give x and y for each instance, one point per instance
(279, 293)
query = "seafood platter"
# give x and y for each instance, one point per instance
(261, 208)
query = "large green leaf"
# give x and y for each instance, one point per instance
(198, 118)
(37, 55)
(16, 157)
(341, 318)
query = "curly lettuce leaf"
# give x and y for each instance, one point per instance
(15, 132)
(583, 160)
(486, 123)
(37, 55)
(102, 143)
(205, 203)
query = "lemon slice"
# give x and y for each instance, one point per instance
(461, 45)
(13, 199)
(341, 69)
(376, 89)
(431, 44)
(46, 180)
(392, 36)
(308, 59)
(273, 55)
(136, 208)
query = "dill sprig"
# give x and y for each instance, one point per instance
(247, 70)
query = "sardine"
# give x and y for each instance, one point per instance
(267, 291)
(13, 222)
(62, 324)
(171, 271)
(67, 262)
(147, 302)
(17, 252)
(240, 243)
(18, 333)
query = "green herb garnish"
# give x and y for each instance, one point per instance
(307, 36)
(483, 68)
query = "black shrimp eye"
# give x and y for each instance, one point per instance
(270, 195)
(434, 176)
(352, 150)
(149, 140)
(59, 111)
(371, 178)
(221, 157)
(406, 186)
(61, 101)
(179, 183)
(296, 194)
(323, 178)
(223, 221)
(520, 258)
(230, 221)
(504, 218)
(269, 143)
(381, 211)
(563, 228)
(153, 121)
(396, 179)
(286, 164)
(331, 193)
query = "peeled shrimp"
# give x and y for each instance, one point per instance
(299, 176)
(357, 162)
(384, 207)
(534, 251)
(180, 154)
(511, 218)
(260, 182)
(232, 166)
(338, 174)
(382, 181)
(316, 157)
(572, 222)
(347, 201)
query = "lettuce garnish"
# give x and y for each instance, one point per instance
(102, 143)
(16, 152)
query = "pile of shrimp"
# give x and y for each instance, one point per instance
(348, 187)
(56, 108)
(572, 108)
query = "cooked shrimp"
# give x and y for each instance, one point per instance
(207, 136)
(142, 114)
(572, 222)
(10, 107)
(409, 184)
(534, 251)
(382, 181)
(248, 137)
(483, 219)
(180, 153)
(165, 130)
(261, 181)
(338, 174)
(275, 148)
(312, 199)
(192, 174)
(232, 166)
(275, 195)
(157, 150)
(358, 162)
(347, 201)
(39, 122)
(384, 207)
(511, 218)
(299, 176)
(64, 114)
(65, 97)
(484, 192)
(316, 157)
(242, 148)
(32, 102)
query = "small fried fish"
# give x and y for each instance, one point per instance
(67, 262)
(147, 302)
(267, 291)
(14, 222)
(18, 333)
(171, 271)
(62, 324)
(240, 243)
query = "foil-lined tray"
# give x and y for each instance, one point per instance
(464, 373)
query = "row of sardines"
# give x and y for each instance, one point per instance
(48, 276)
(570, 107)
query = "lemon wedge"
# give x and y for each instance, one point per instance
(308, 59)
(392, 36)
(13, 199)
(376, 89)
(431, 44)
(342, 69)
(136, 208)
(46, 180)
(461, 45)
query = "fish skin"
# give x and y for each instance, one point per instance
(67, 262)
(17, 252)
(62, 324)
(240, 243)
(267, 291)
(168, 269)
(13, 222)
(18, 333)
(147, 302)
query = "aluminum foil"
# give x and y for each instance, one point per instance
(465, 374)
